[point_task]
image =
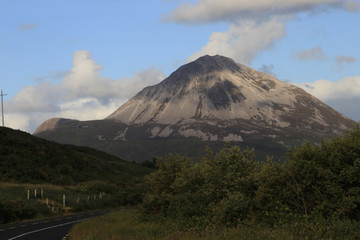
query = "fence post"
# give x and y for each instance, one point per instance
(42, 193)
(35, 193)
(64, 200)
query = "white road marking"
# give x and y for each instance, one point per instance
(42, 229)
(90, 215)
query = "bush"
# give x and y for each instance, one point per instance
(204, 191)
(231, 188)
(14, 210)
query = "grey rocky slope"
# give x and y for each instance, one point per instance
(206, 102)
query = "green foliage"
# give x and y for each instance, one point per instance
(231, 188)
(217, 189)
(326, 178)
(28, 159)
(17, 209)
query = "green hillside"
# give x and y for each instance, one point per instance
(90, 179)
(28, 159)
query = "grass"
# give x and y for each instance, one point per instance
(128, 225)
(15, 206)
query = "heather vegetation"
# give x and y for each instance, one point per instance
(315, 194)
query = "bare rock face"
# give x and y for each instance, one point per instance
(216, 89)
(206, 102)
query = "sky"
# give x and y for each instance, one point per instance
(83, 59)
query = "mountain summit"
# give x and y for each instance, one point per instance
(206, 102)
(217, 89)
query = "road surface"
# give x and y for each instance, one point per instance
(56, 228)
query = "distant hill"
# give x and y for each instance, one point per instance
(25, 158)
(209, 101)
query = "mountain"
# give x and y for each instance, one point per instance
(206, 102)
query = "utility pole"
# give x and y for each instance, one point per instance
(2, 107)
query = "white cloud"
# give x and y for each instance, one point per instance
(343, 95)
(82, 94)
(40, 98)
(311, 54)
(17, 120)
(140, 80)
(348, 87)
(243, 40)
(85, 80)
(253, 25)
(51, 76)
(202, 11)
(89, 108)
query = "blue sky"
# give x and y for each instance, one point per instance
(83, 59)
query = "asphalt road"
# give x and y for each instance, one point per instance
(56, 228)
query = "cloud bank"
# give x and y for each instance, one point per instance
(254, 25)
(244, 40)
(343, 95)
(82, 94)
(203, 11)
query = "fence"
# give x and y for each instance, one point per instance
(57, 201)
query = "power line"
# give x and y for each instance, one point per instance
(2, 107)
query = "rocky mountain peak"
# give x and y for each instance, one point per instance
(207, 64)
(203, 66)
(212, 99)
(217, 89)
(211, 87)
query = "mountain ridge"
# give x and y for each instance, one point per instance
(214, 100)
(214, 84)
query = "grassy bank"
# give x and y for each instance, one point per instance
(129, 225)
